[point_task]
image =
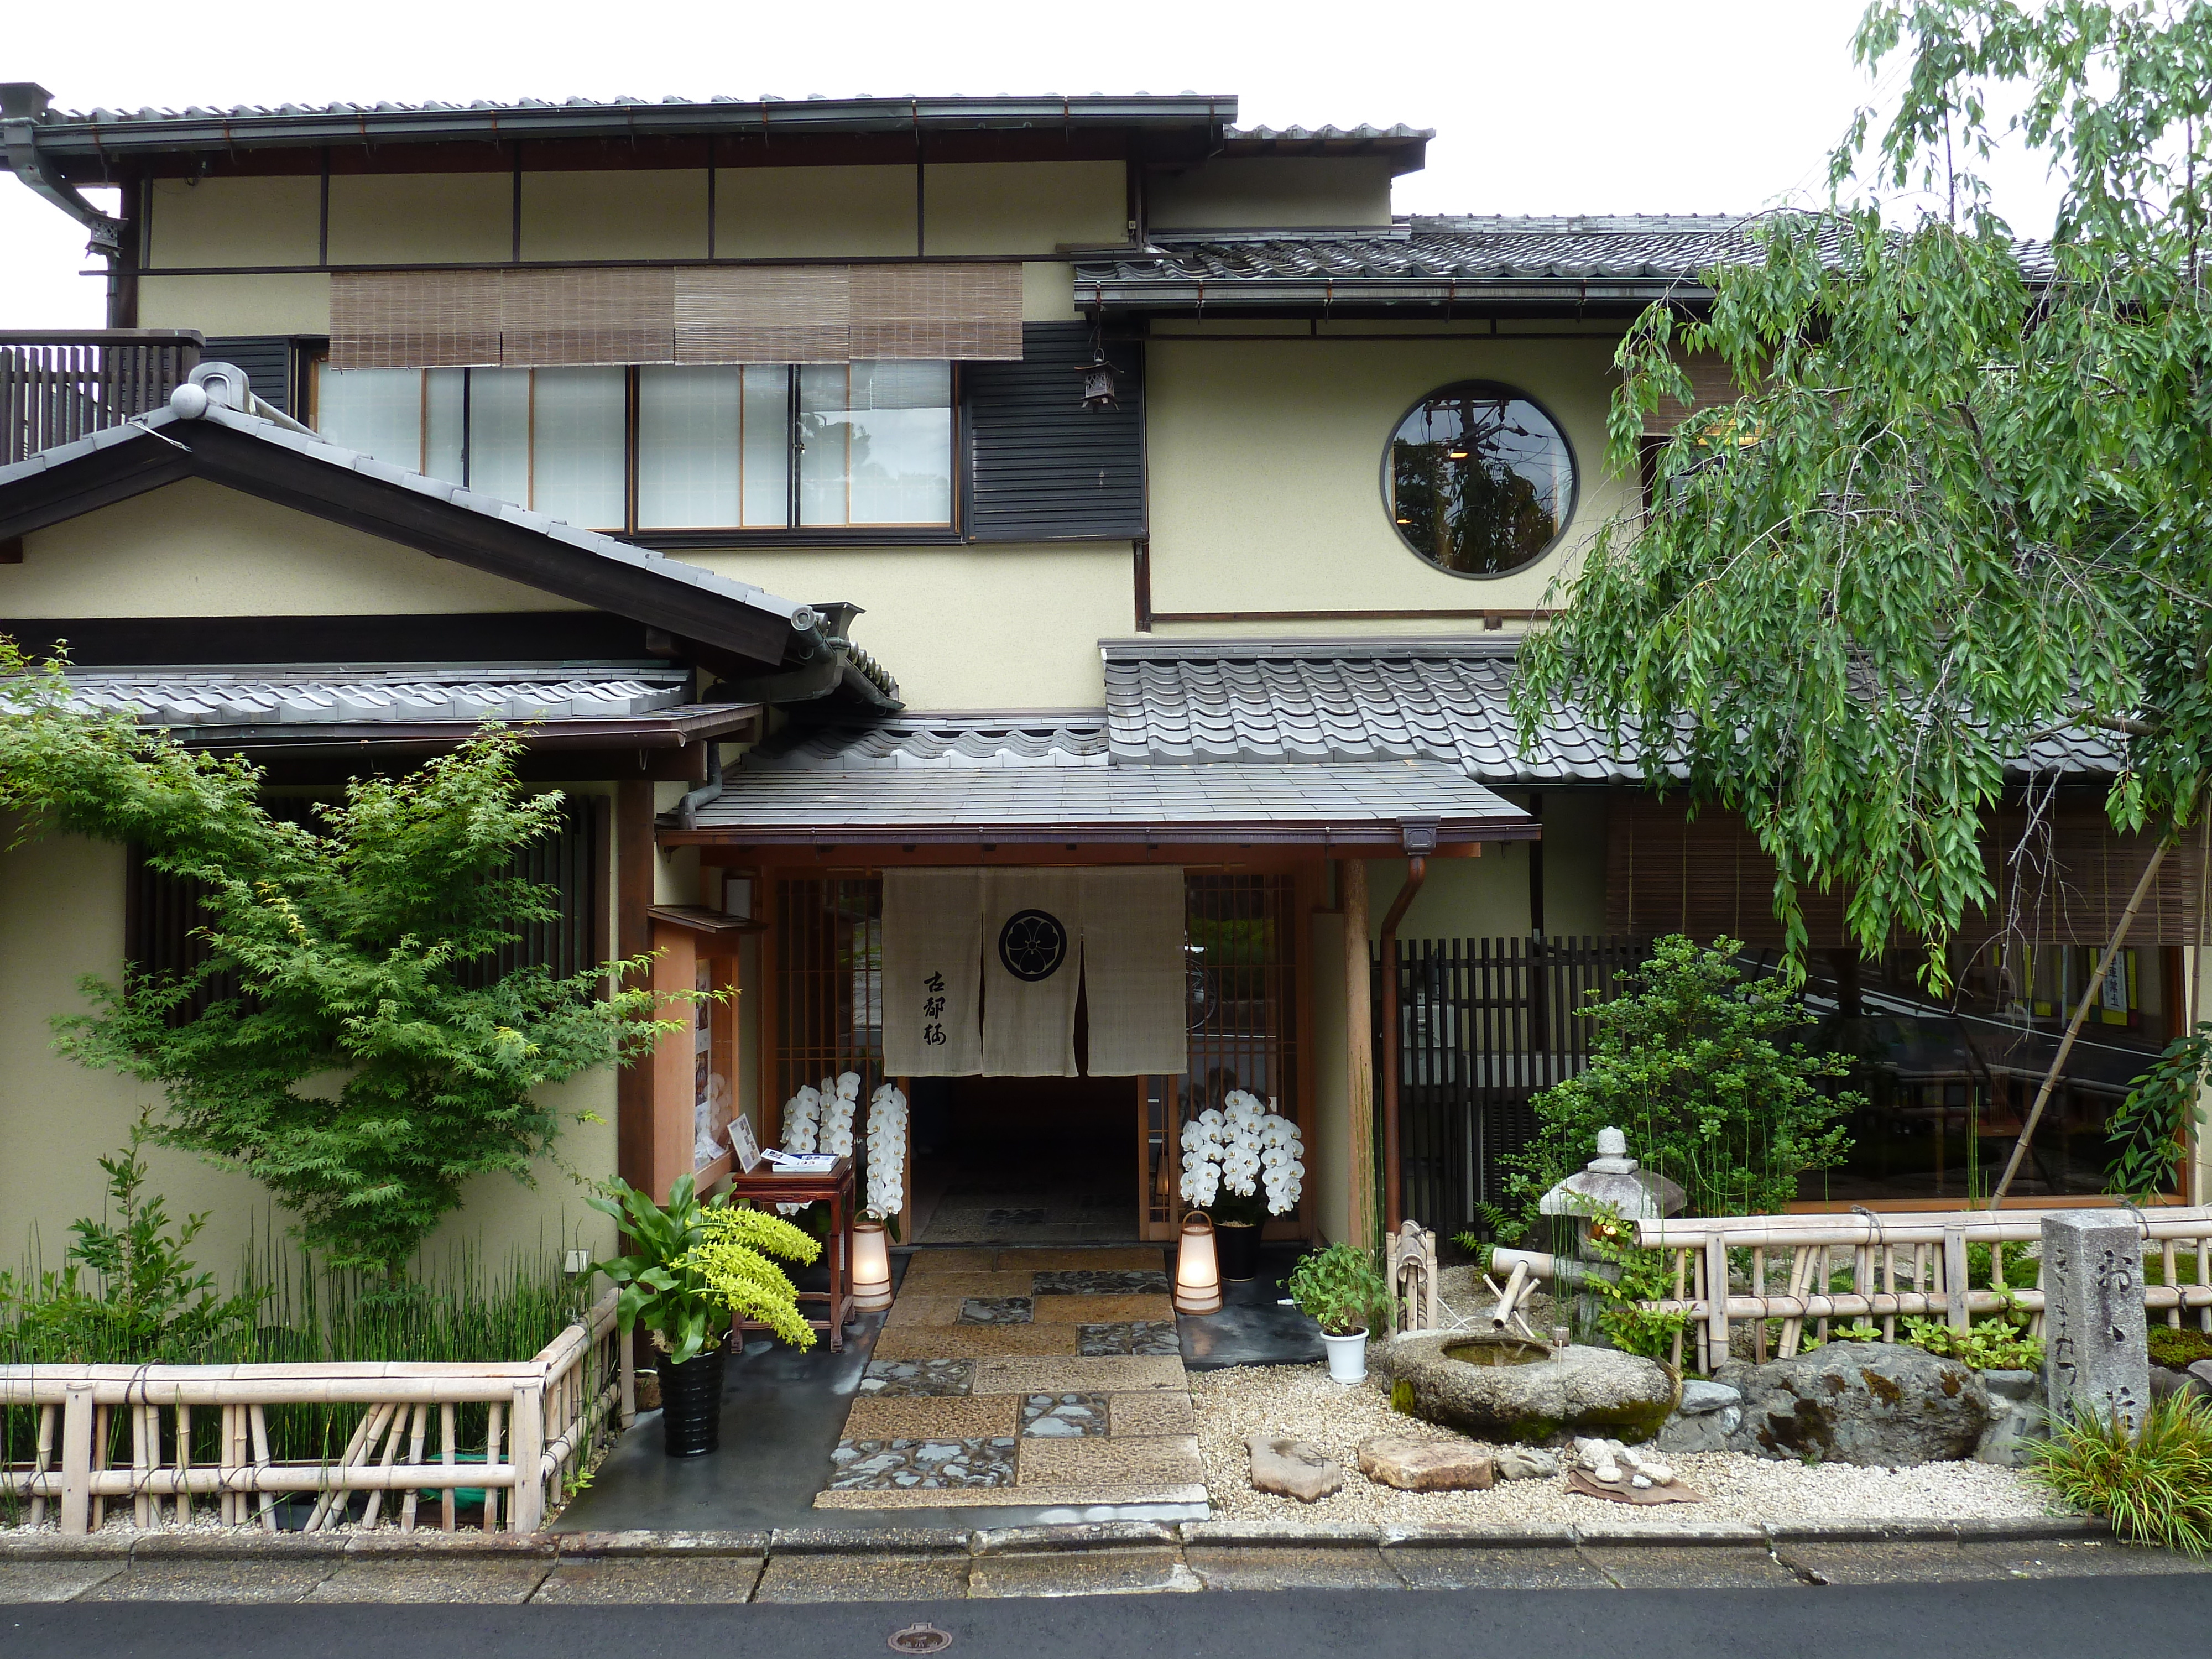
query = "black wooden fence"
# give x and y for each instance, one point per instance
(57, 387)
(1485, 1025)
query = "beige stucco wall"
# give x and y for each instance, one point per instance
(1487, 897)
(61, 917)
(985, 626)
(1024, 207)
(648, 214)
(295, 302)
(401, 218)
(1048, 291)
(1272, 192)
(1267, 461)
(196, 549)
(235, 221)
(814, 213)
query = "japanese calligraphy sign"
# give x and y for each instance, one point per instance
(2094, 1356)
(932, 972)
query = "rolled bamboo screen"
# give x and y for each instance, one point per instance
(645, 314)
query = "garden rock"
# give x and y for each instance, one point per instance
(2202, 1371)
(1709, 1415)
(2016, 1418)
(1878, 1405)
(1292, 1468)
(1524, 1463)
(1573, 1391)
(1410, 1465)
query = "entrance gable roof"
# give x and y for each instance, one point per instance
(731, 625)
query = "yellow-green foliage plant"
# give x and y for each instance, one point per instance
(696, 1264)
(730, 1260)
(2153, 1485)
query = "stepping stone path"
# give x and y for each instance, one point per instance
(1027, 1378)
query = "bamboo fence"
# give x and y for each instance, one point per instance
(1899, 1266)
(542, 1416)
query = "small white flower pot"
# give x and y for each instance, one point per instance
(1347, 1356)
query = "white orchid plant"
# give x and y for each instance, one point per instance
(1243, 1162)
(821, 1119)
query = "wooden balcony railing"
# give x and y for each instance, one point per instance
(54, 387)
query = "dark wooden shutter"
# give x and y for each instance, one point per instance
(162, 913)
(267, 360)
(1043, 467)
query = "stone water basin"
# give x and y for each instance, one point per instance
(1509, 1389)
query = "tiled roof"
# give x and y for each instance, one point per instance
(939, 742)
(1333, 702)
(207, 699)
(693, 582)
(1075, 797)
(1435, 259)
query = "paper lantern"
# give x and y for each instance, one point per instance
(872, 1266)
(1198, 1272)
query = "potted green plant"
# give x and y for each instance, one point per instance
(1340, 1289)
(695, 1267)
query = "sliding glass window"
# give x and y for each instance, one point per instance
(756, 447)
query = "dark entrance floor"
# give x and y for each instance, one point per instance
(1024, 1161)
(1251, 1329)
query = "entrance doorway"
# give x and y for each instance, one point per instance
(1042, 1160)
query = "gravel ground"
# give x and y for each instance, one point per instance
(1300, 1401)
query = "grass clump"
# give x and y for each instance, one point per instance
(2153, 1485)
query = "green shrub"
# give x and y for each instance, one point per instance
(2153, 1485)
(2179, 1348)
(1990, 1344)
(1699, 1068)
(1341, 1289)
(1642, 1275)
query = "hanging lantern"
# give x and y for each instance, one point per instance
(872, 1267)
(1098, 385)
(1198, 1270)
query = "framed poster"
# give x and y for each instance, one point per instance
(742, 1143)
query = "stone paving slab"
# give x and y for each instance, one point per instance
(1881, 1563)
(923, 1308)
(1162, 1460)
(1106, 1375)
(884, 1577)
(623, 1579)
(932, 1417)
(1150, 1257)
(54, 1581)
(1100, 1310)
(1158, 1411)
(890, 1379)
(977, 1341)
(967, 1284)
(1091, 1495)
(1088, 1572)
(950, 1261)
(458, 1579)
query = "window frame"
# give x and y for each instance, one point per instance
(954, 529)
(1387, 479)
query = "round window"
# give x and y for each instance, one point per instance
(1479, 479)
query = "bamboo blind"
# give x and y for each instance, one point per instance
(1668, 873)
(645, 314)
(1710, 383)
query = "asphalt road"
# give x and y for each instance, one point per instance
(2111, 1618)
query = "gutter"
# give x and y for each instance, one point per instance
(22, 107)
(1418, 836)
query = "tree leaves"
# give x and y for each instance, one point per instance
(1962, 504)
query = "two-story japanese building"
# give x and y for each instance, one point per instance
(895, 520)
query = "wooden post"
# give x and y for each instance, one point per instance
(76, 1458)
(673, 1069)
(1359, 1051)
(633, 938)
(527, 1509)
(1955, 1278)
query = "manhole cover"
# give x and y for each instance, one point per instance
(919, 1639)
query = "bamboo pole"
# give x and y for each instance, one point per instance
(527, 1510)
(448, 1428)
(491, 1463)
(205, 1480)
(77, 1428)
(259, 1419)
(364, 1436)
(2074, 1025)
(42, 1460)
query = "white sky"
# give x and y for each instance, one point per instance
(1539, 105)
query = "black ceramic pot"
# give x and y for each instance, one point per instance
(1237, 1247)
(691, 1405)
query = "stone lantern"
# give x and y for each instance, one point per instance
(1611, 1180)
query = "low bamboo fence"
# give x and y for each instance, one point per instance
(1900, 1266)
(542, 1415)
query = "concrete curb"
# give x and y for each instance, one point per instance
(16, 1546)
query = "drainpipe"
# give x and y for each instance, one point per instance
(23, 104)
(687, 810)
(1418, 837)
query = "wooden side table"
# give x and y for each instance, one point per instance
(834, 1187)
